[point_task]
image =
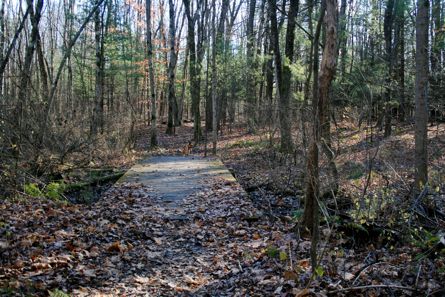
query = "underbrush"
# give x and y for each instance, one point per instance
(50, 166)
(374, 206)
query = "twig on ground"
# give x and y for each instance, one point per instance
(364, 269)
(374, 287)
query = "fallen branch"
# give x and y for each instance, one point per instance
(95, 181)
(374, 287)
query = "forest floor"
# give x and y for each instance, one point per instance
(232, 240)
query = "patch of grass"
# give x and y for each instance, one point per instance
(53, 190)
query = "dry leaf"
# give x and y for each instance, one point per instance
(348, 276)
(116, 247)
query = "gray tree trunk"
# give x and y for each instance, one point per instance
(421, 96)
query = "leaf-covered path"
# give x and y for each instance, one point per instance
(215, 240)
(134, 242)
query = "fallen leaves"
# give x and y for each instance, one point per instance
(215, 243)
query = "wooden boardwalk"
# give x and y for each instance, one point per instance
(174, 178)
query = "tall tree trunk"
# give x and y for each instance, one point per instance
(285, 94)
(25, 83)
(194, 73)
(436, 88)
(399, 41)
(274, 33)
(97, 122)
(42, 68)
(151, 77)
(173, 111)
(325, 77)
(388, 34)
(421, 96)
(250, 74)
(269, 116)
(312, 186)
(220, 58)
(214, 81)
(342, 37)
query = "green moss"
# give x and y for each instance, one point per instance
(272, 251)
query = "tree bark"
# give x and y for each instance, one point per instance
(173, 111)
(25, 82)
(194, 71)
(214, 81)
(421, 96)
(388, 25)
(284, 120)
(285, 94)
(250, 74)
(151, 77)
(98, 110)
(342, 37)
(321, 98)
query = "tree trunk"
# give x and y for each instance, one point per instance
(194, 73)
(283, 110)
(151, 77)
(421, 96)
(310, 214)
(173, 111)
(342, 38)
(220, 58)
(250, 84)
(320, 101)
(436, 85)
(25, 82)
(214, 81)
(387, 30)
(97, 122)
(285, 94)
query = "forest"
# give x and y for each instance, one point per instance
(222, 148)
